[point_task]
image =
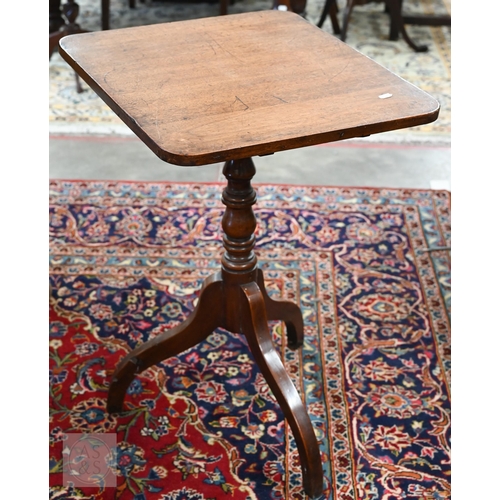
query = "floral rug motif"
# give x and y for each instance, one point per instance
(126, 263)
(368, 32)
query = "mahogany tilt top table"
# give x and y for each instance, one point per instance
(226, 89)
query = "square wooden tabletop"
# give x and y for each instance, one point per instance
(229, 87)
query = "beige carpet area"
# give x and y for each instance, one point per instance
(86, 113)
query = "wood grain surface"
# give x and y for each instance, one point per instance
(209, 90)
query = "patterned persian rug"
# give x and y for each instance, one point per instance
(127, 260)
(70, 112)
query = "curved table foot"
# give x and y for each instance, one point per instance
(284, 310)
(255, 329)
(204, 319)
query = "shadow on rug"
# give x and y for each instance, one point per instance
(126, 262)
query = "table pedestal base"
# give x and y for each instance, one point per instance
(236, 299)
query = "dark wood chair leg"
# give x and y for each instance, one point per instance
(56, 20)
(333, 12)
(105, 14)
(394, 26)
(259, 339)
(197, 327)
(428, 20)
(70, 10)
(223, 6)
(331, 9)
(78, 84)
(284, 310)
(346, 17)
(324, 12)
(54, 41)
(394, 7)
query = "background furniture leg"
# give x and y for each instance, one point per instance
(331, 9)
(395, 7)
(70, 10)
(105, 14)
(56, 20)
(346, 17)
(394, 26)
